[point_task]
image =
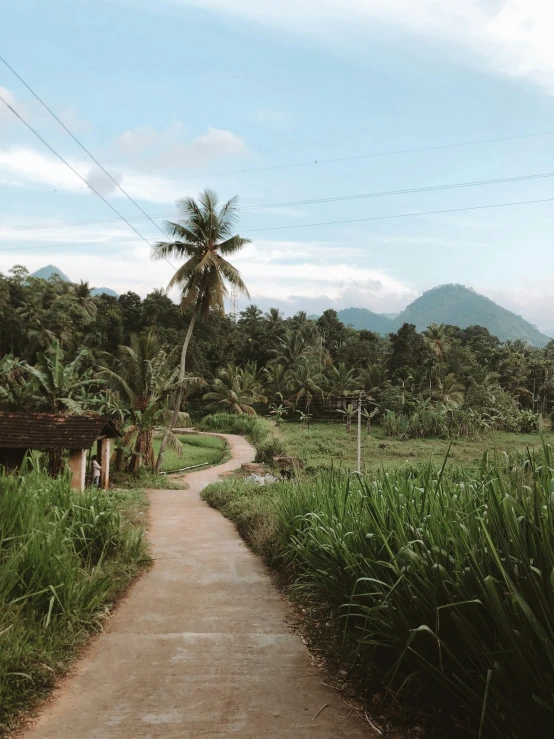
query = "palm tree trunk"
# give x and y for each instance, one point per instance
(178, 394)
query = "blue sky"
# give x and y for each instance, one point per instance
(169, 93)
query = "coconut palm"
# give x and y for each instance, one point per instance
(306, 381)
(343, 381)
(449, 390)
(437, 337)
(84, 299)
(145, 376)
(277, 381)
(233, 391)
(203, 237)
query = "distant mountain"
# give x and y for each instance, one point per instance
(550, 333)
(392, 316)
(45, 273)
(104, 291)
(363, 318)
(460, 306)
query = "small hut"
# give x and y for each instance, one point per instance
(21, 432)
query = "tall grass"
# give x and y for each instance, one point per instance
(255, 428)
(445, 576)
(63, 556)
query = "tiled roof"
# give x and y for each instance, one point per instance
(50, 431)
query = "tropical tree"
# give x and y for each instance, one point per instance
(145, 376)
(278, 412)
(233, 391)
(348, 414)
(449, 390)
(437, 338)
(343, 381)
(203, 237)
(57, 382)
(276, 381)
(84, 299)
(369, 416)
(306, 381)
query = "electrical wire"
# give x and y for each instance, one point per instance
(83, 147)
(374, 155)
(314, 201)
(332, 223)
(59, 156)
(401, 215)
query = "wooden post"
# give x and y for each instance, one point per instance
(103, 446)
(78, 465)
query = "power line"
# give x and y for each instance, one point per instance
(373, 155)
(59, 156)
(315, 201)
(83, 147)
(332, 223)
(401, 215)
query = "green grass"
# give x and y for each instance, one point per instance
(325, 445)
(442, 578)
(64, 558)
(255, 428)
(197, 449)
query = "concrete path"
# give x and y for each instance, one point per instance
(200, 646)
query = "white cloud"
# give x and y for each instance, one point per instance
(168, 150)
(293, 271)
(29, 168)
(531, 299)
(23, 167)
(511, 37)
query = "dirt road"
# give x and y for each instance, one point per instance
(200, 646)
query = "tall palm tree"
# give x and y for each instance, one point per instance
(438, 339)
(203, 237)
(84, 299)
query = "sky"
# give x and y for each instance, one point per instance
(257, 99)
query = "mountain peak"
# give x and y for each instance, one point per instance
(45, 273)
(462, 306)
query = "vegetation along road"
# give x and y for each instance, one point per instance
(200, 647)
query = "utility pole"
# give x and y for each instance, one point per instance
(359, 432)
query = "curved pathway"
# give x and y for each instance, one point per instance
(200, 646)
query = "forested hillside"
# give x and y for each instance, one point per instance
(452, 381)
(462, 307)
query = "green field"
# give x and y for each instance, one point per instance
(437, 581)
(328, 444)
(197, 449)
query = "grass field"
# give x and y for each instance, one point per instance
(328, 444)
(437, 581)
(197, 449)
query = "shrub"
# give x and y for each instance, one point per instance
(271, 447)
(253, 427)
(63, 556)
